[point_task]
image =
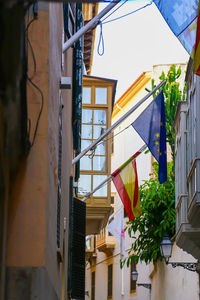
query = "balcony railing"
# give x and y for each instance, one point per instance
(105, 242)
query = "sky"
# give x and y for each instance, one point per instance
(132, 45)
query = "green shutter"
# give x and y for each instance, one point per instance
(77, 83)
(69, 14)
(76, 260)
(77, 89)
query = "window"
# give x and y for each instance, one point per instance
(93, 286)
(94, 165)
(110, 283)
(132, 282)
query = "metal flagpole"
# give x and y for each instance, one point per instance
(110, 177)
(92, 146)
(89, 26)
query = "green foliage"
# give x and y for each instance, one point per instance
(157, 200)
(157, 218)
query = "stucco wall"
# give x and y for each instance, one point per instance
(32, 226)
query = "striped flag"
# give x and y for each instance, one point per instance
(126, 182)
(197, 47)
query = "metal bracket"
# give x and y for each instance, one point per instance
(188, 266)
(146, 285)
(65, 83)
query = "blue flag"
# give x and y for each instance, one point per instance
(150, 125)
(181, 17)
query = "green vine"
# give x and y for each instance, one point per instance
(157, 200)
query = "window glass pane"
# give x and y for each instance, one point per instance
(86, 95)
(88, 244)
(99, 116)
(101, 95)
(85, 163)
(101, 149)
(99, 163)
(97, 179)
(84, 184)
(85, 144)
(86, 132)
(87, 116)
(98, 131)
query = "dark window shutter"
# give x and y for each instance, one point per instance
(77, 89)
(77, 83)
(69, 10)
(76, 269)
(93, 286)
(110, 272)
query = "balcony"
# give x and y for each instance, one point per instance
(187, 171)
(95, 166)
(105, 242)
(194, 193)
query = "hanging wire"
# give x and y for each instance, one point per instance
(101, 41)
(130, 13)
(101, 23)
(114, 10)
(112, 137)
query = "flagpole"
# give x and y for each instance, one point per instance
(89, 26)
(92, 146)
(122, 256)
(110, 177)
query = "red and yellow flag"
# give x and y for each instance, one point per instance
(197, 47)
(125, 180)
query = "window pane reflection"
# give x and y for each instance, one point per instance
(97, 179)
(84, 184)
(86, 95)
(85, 144)
(99, 163)
(98, 131)
(99, 116)
(85, 163)
(101, 95)
(101, 149)
(86, 132)
(87, 116)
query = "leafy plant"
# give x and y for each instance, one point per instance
(157, 200)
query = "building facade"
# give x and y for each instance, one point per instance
(166, 282)
(43, 224)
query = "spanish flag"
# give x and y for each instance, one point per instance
(125, 180)
(197, 47)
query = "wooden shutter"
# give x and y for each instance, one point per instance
(77, 83)
(69, 15)
(76, 261)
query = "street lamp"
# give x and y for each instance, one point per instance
(134, 275)
(166, 248)
(166, 252)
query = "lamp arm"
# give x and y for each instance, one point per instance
(189, 266)
(146, 285)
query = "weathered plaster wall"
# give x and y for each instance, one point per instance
(27, 203)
